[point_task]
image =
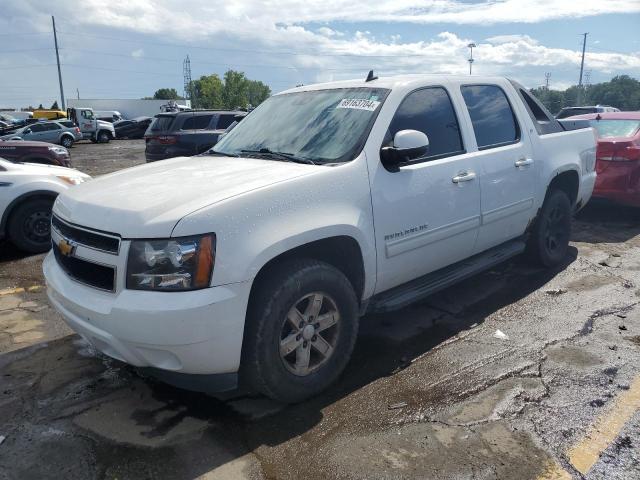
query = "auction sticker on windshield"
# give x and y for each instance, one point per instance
(359, 104)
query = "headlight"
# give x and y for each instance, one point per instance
(59, 150)
(184, 263)
(71, 180)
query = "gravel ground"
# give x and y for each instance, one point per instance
(516, 373)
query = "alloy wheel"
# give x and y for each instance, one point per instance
(309, 333)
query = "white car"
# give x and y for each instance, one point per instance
(254, 263)
(27, 192)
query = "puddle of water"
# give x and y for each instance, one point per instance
(574, 356)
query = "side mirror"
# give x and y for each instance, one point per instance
(28, 130)
(407, 145)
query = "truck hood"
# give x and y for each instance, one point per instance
(149, 200)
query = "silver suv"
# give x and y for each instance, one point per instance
(52, 132)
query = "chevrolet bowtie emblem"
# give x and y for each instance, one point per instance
(65, 247)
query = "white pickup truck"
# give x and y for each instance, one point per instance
(254, 263)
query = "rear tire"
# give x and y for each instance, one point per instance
(302, 326)
(66, 141)
(30, 225)
(549, 238)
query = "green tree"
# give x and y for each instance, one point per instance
(55, 106)
(166, 94)
(234, 90)
(207, 92)
(257, 92)
(622, 92)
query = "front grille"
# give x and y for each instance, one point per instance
(83, 271)
(96, 240)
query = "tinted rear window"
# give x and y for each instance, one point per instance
(493, 120)
(162, 124)
(615, 128)
(197, 122)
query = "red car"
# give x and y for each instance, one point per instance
(23, 151)
(618, 155)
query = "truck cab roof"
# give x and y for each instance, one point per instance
(400, 82)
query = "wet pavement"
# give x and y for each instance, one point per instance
(516, 373)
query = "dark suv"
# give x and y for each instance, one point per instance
(183, 134)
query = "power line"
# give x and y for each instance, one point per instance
(26, 50)
(29, 66)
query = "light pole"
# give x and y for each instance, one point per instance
(471, 47)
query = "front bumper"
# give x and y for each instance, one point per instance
(196, 332)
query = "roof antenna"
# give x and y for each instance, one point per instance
(371, 76)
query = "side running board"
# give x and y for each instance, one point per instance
(403, 295)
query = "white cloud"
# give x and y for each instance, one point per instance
(328, 32)
(325, 53)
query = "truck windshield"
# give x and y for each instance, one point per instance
(320, 126)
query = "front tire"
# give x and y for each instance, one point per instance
(549, 239)
(104, 137)
(302, 327)
(30, 225)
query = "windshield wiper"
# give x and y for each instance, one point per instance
(281, 155)
(211, 152)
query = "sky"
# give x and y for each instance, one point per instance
(131, 48)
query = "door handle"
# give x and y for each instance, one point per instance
(523, 162)
(464, 177)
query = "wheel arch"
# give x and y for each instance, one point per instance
(67, 134)
(568, 181)
(341, 251)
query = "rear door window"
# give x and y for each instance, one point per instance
(429, 110)
(197, 122)
(224, 121)
(494, 122)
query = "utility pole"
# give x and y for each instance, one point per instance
(78, 93)
(547, 76)
(471, 47)
(584, 47)
(55, 40)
